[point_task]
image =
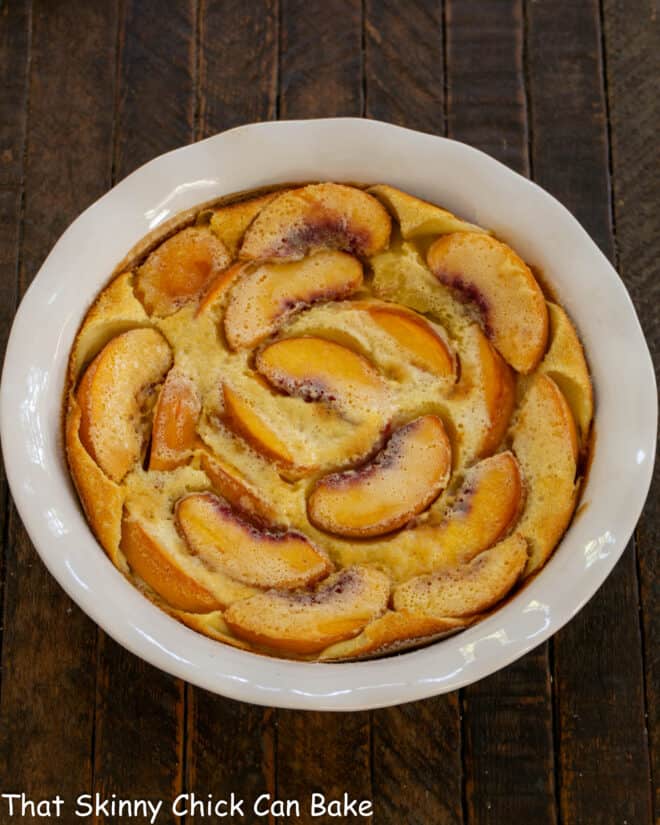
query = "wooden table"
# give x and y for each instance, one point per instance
(561, 90)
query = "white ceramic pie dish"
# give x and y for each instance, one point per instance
(345, 149)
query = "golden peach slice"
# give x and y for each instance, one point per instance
(114, 311)
(393, 631)
(176, 415)
(387, 492)
(318, 216)
(180, 270)
(307, 621)
(545, 444)
(218, 289)
(417, 338)
(499, 392)
(115, 394)
(565, 363)
(241, 416)
(150, 561)
(417, 217)
(101, 498)
(490, 275)
(266, 297)
(484, 510)
(229, 223)
(317, 369)
(228, 482)
(467, 589)
(260, 558)
(210, 624)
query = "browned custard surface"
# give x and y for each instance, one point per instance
(327, 422)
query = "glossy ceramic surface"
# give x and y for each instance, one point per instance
(447, 172)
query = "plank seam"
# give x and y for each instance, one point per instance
(461, 733)
(526, 78)
(445, 77)
(363, 73)
(116, 120)
(199, 111)
(278, 60)
(184, 754)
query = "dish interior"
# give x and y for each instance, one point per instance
(327, 421)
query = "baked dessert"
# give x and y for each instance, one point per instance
(327, 421)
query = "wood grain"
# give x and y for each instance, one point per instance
(417, 762)
(140, 710)
(320, 59)
(603, 758)
(46, 713)
(416, 748)
(231, 745)
(507, 718)
(238, 63)
(398, 89)
(324, 753)
(485, 92)
(632, 34)
(15, 33)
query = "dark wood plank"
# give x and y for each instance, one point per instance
(47, 707)
(632, 34)
(485, 89)
(417, 763)
(320, 59)
(507, 719)
(140, 710)
(14, 48)
(603, 758)
(156, 95)
(416, 748)
(398, 89)
(320, 73)
(231, 745)
(323, 753)
(238, 64)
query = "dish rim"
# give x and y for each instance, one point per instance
(249, 676)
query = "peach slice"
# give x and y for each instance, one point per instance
(393, 631)
(320, 215)
(229, 223)
(484, 510)
(417, 217)
(218, 289)
(545, 444)
(210, 624)
(114, 394)
(237, 490)
(499, 283)
(499, 392)
(468, 589)
(317, 369)
(101, 498)
(149, 560)
(175, 420)
(257, 557)
(419, 340)
(565, 363)
(304, 621)
(266, 297)
(180, 270)
(400, 482)
(241, 416)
